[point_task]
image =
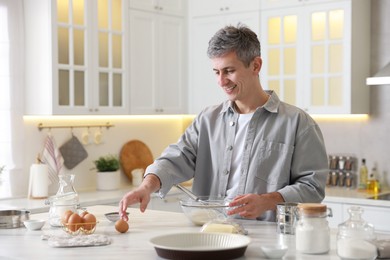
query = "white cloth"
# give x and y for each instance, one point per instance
(52, 157)
(66, 240)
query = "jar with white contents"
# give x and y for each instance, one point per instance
(355, 237)
(312, 231)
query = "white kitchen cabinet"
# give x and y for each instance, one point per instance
(315, 55)
(378, 216)
(75, 57)
(203, 88)
(171, 7)
(221, 7)
(269, 4)
(157, 63)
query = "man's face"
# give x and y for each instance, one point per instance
(235, 79)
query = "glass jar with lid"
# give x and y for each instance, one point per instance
(312, 230)
(354, 237)
(65, 199)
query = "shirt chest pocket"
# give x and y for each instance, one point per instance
(273, 162)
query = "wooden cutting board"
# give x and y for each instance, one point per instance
(135, 154)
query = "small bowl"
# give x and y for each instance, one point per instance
(205, 210)
(114, 216)
(274, 251)
(34, 224)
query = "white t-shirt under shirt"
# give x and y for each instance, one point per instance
(239, 141)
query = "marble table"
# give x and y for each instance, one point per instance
(21, 243)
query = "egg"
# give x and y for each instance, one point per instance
(121, 226)
(74, 222)
(65, 216)
(90, 221)
(82, 214)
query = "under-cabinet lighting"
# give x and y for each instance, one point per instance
(343, 117)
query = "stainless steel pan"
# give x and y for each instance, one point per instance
(13, 218)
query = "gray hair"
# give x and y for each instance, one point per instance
(240, 39)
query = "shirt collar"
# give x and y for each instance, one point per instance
(271, 105)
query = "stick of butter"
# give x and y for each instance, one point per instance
(219, 228)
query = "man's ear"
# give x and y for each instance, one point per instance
(257, 63)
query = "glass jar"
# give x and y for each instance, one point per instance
(354, 237)
(312, 233)
(65, 199)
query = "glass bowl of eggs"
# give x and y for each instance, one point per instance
(74, 223)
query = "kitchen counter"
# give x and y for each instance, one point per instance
(86, 198)
(354, 196)
(20, 243)
(93, 197)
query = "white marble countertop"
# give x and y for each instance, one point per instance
(354, 196)
(94, 197)
(20, 243)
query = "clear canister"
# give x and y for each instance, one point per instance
(312, 230)
(355, 237)
(65, 199)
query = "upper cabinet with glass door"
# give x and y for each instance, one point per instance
(316, 56)
(83, 69)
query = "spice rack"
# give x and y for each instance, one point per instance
(342, 171)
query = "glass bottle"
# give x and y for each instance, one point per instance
(363, 175)
(312, 232)
(65, 199)
(354, 237)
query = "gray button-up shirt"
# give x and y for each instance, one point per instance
(284, 151)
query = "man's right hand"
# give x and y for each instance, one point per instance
(150, 184)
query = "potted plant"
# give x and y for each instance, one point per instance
(108, 173)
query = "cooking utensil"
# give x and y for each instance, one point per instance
(135, 154)
(200, 245)
(197, 199)
(113, 216)
(13, 218)
(187, 192)
(205, 209)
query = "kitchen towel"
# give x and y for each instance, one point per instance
(67, 240)
(52, 157)
(73, 152)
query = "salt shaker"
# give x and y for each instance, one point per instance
(312, 230)
(355, 237)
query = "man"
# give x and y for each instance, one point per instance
(252, 148)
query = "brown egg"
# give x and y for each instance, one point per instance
(121, 226)
(65, 216)
(89, 221)
(74, 222)
(82, 214)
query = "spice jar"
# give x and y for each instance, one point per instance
(312, 231)
(354, 237)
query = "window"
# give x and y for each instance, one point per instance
(11, 98)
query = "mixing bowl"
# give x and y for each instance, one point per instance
(204, 210)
